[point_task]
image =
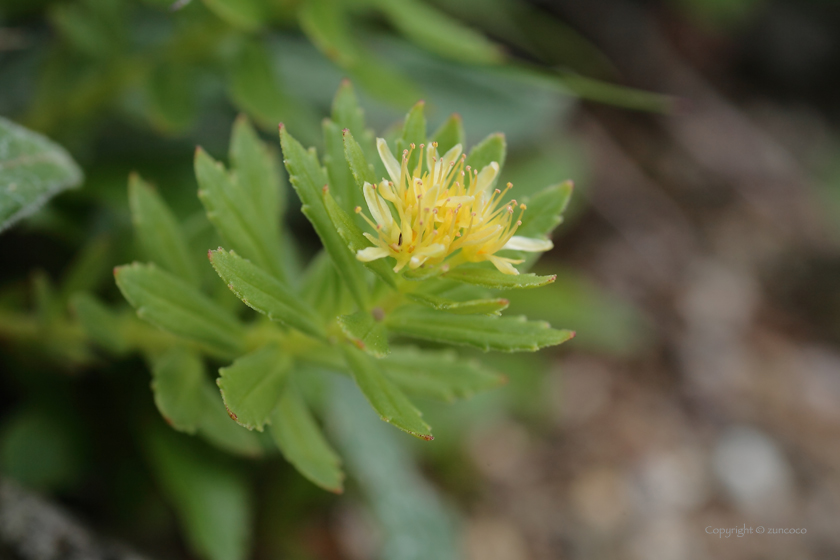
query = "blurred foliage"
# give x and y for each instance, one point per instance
(135, 86)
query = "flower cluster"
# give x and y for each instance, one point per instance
(443, 211)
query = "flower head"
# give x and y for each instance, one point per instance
(443, 211)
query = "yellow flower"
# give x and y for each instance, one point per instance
(443, 212)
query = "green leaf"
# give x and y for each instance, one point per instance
(495, 280)
(545, 210)
(507, 334)
(324, 290)
(99, 323)
(212, 500)
(440, 33)
(303, 443)
(386, 398)
(247, 15)
(439, 375)
(89, 268)
(33, 169)
(172, 305)
(252, 385)
(158, 231)
(341, 180)
(346, 112)
(366, 332)
(257, 168)
(413, 132)
(220, 430)
(450, 133)
(264, 293)
(362, 171)
(308, 179)
(255, 89)
(172, 95)
(493, 306)
(492, 148)
(236, 215)
(352, 236)
(177, 380)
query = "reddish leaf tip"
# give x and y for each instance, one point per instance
(231, 413)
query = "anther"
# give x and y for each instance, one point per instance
(357, 209)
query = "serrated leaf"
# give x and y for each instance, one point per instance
(413, 132)
(99, 323)
(308, 179)
(169, 303)
(366, 332)
(177, 385)
(386, 398)
(545, 210)
(439, 375)
(341, 180)
(33, 169)
(352, 236)
(362, 171)
(492, 148)
(440, 33)
(257, 167)
(220, 430)
(303, 443)
(491, 306)
(251, 385)
(450, 133)
(346, 112)
(493, 279)
(158, 230)
(264, 293)
(236, 216)
(507, 334)
(247, 15)
(212, 500)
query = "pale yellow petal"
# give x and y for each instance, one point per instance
(529, 244)
(371, 254)
(392, 166)
(503, 265)
(379, 209)
(486, 177)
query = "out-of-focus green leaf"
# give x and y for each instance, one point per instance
(492, 306)
(545, 210)
(386, 398)
(257, 168)
(172, 95)
(323, 288)
(254, 89)
(221, 431)
(172, 305)
(99, 323)
(362, 170)
(328, 26)
(492, 148)
(264, 293)
(158, 231)
(252, 385)
(39, 449)
(495, 280)
(88, 269)
(212, 500)
(507, 334)
(413, 132)
(440, 33)
(416, 525)
(439, 375)
(177, 380)
(235, 213)
(366, 332)
(308, 178)
(352, 236)
(247, 15)
(605, 323)
(33, 169)
(450, 133)
(347, 113)
(303, 443)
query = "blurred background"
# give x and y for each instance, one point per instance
(699, 263)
